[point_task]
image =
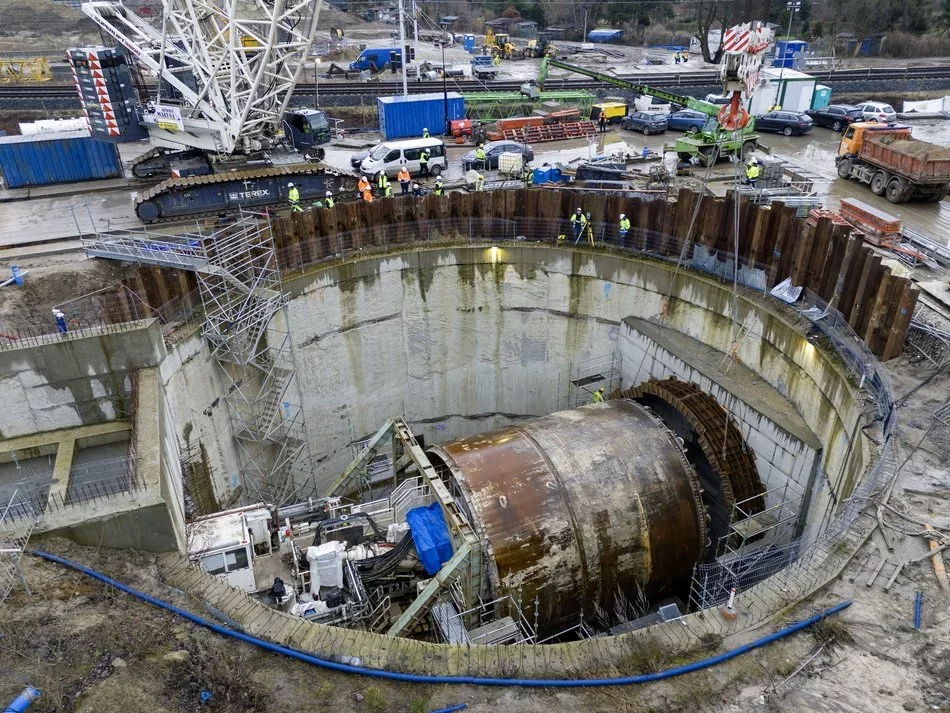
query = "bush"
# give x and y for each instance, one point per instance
(903, 45)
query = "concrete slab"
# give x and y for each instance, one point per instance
(739, 380)
(59, 247)
(48, 441)
(71, 189)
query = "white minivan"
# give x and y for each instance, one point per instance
(390, 156)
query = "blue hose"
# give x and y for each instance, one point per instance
(918, 600)
(23, 701)
(468, 680)
(460, 706)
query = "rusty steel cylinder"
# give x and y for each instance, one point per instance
(578, 506)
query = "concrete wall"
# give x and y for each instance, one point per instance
(74, 380)
(462, 340)
(457, 344)
(787, 452)
(149, 517)
(194, 389)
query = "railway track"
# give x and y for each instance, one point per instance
(671, 79)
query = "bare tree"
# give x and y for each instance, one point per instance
(714, 15)
(586, 14)
(709, 17)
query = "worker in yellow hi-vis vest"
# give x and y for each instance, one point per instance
(293, 196)
(624, 228)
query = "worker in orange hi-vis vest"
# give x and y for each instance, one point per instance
(362, 186)
(368, 195)
(404, 180)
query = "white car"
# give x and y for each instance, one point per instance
(878, 111)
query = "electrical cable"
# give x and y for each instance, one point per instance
(430, 679)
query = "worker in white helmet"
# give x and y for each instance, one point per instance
(578, 223)
(329, 202)
(624, 227)
(362, 186)
(293, 196)
(752, 171)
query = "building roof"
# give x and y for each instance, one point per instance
(226, 529)
(605, 34)
(773, 74)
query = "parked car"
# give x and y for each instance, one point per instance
(878, 111)
(494, 149)
(390, 156)
(687, 120)
(718, 99)
(836, 116)
(784, 122)
(645, 121)
(356, 160)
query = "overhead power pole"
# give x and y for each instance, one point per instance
(415, 26)
(402, 49)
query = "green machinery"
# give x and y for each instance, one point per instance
(492, 106)
(709, 145)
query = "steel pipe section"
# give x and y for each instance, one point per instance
(577, 506)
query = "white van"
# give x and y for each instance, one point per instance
(393, 155)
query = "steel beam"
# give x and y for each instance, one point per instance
(430, 591)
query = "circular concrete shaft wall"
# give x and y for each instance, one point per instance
(580, 504)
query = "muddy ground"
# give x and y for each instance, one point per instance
(91, 648)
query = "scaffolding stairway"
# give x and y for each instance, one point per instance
(241, 292)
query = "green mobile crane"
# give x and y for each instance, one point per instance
(710, 144)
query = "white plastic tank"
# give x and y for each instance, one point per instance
(509, 163)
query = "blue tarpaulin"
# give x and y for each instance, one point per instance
(431, 536)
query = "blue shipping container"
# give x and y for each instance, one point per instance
(402, 117)
(61, 157)
(468, 42)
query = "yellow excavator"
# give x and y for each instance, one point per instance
(541, 47)
(498, 44)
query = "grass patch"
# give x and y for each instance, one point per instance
(831, 631)
(374, 702)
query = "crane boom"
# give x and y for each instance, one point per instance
(696, 104)
(232, 64)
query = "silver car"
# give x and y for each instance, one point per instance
(878, 111)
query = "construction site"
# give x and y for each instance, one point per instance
(555, 422)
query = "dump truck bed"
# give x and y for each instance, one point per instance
(918, 161)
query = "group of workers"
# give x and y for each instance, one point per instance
(583, 227)
(364, 189)
(681, 57)
(293, 197)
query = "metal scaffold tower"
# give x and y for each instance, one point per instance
(242, 296)
(18, 517)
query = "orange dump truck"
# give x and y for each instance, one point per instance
(894, 164)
